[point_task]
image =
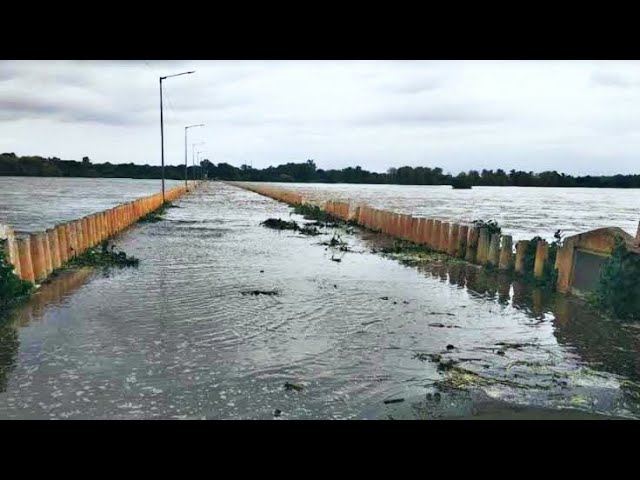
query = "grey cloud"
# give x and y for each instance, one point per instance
(415, 86)
(438, 116)
(26, 108)
(610, 79)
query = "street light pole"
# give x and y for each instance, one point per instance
(185, 151)
(162, 125)
(193, 161)
(198, 156)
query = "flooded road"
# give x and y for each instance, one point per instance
(523, 212)
(367, 336)
(37, 203)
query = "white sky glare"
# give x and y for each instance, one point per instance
(577, 117)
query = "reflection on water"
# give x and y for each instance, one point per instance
(523, 212)
(49, 294)
(176, 338)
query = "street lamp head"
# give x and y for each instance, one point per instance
(176, 75)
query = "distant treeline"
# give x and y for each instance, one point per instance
(307, 172)
(12, 165)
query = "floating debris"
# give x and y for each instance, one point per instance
(105, 255)
(442, 325)
(370, 322)
(261, 292)
(278, 224)
(307, 230)
(158, 214)
(517, 346)
(277, 412)
(336, 241)
(393, 400)
(423, 357)
(293, 386)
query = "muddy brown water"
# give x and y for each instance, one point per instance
(176, 337)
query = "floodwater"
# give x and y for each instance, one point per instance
(37, 203)
(364, 337)
(523, 212)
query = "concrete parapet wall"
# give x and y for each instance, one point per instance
(469, 242)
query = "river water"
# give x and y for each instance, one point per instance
(364, 337)
(521, 211)
(37, 203)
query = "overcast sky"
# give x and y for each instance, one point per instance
(577, 117)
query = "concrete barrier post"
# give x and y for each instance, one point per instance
(463, 233)
(48, 257)
(105, 224)
(542, 254)
(384, 221)
(422, 225)
(398, 225)
(406, 226)
(521, 249)
(506, 253)
(483, 246)
(86, 233)
(93, 237)
(121, 223)
(62, 243)
(564, 265)
(103, 227)
(109, 220)
(435, 235)
(72, 239)
(54, 248)
(444, 237)
(11, 247)
(95, 229)
(79, 237)
(472, 245)
(38, 260)
(24, 256)
(428, 231)
(413, 225)
(494, 250)
(453, 239)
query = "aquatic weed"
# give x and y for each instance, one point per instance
(158, 214)
(12, 288)
(105, 255)
(618, 290)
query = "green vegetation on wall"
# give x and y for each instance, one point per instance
(12, 288)
(618, 290)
